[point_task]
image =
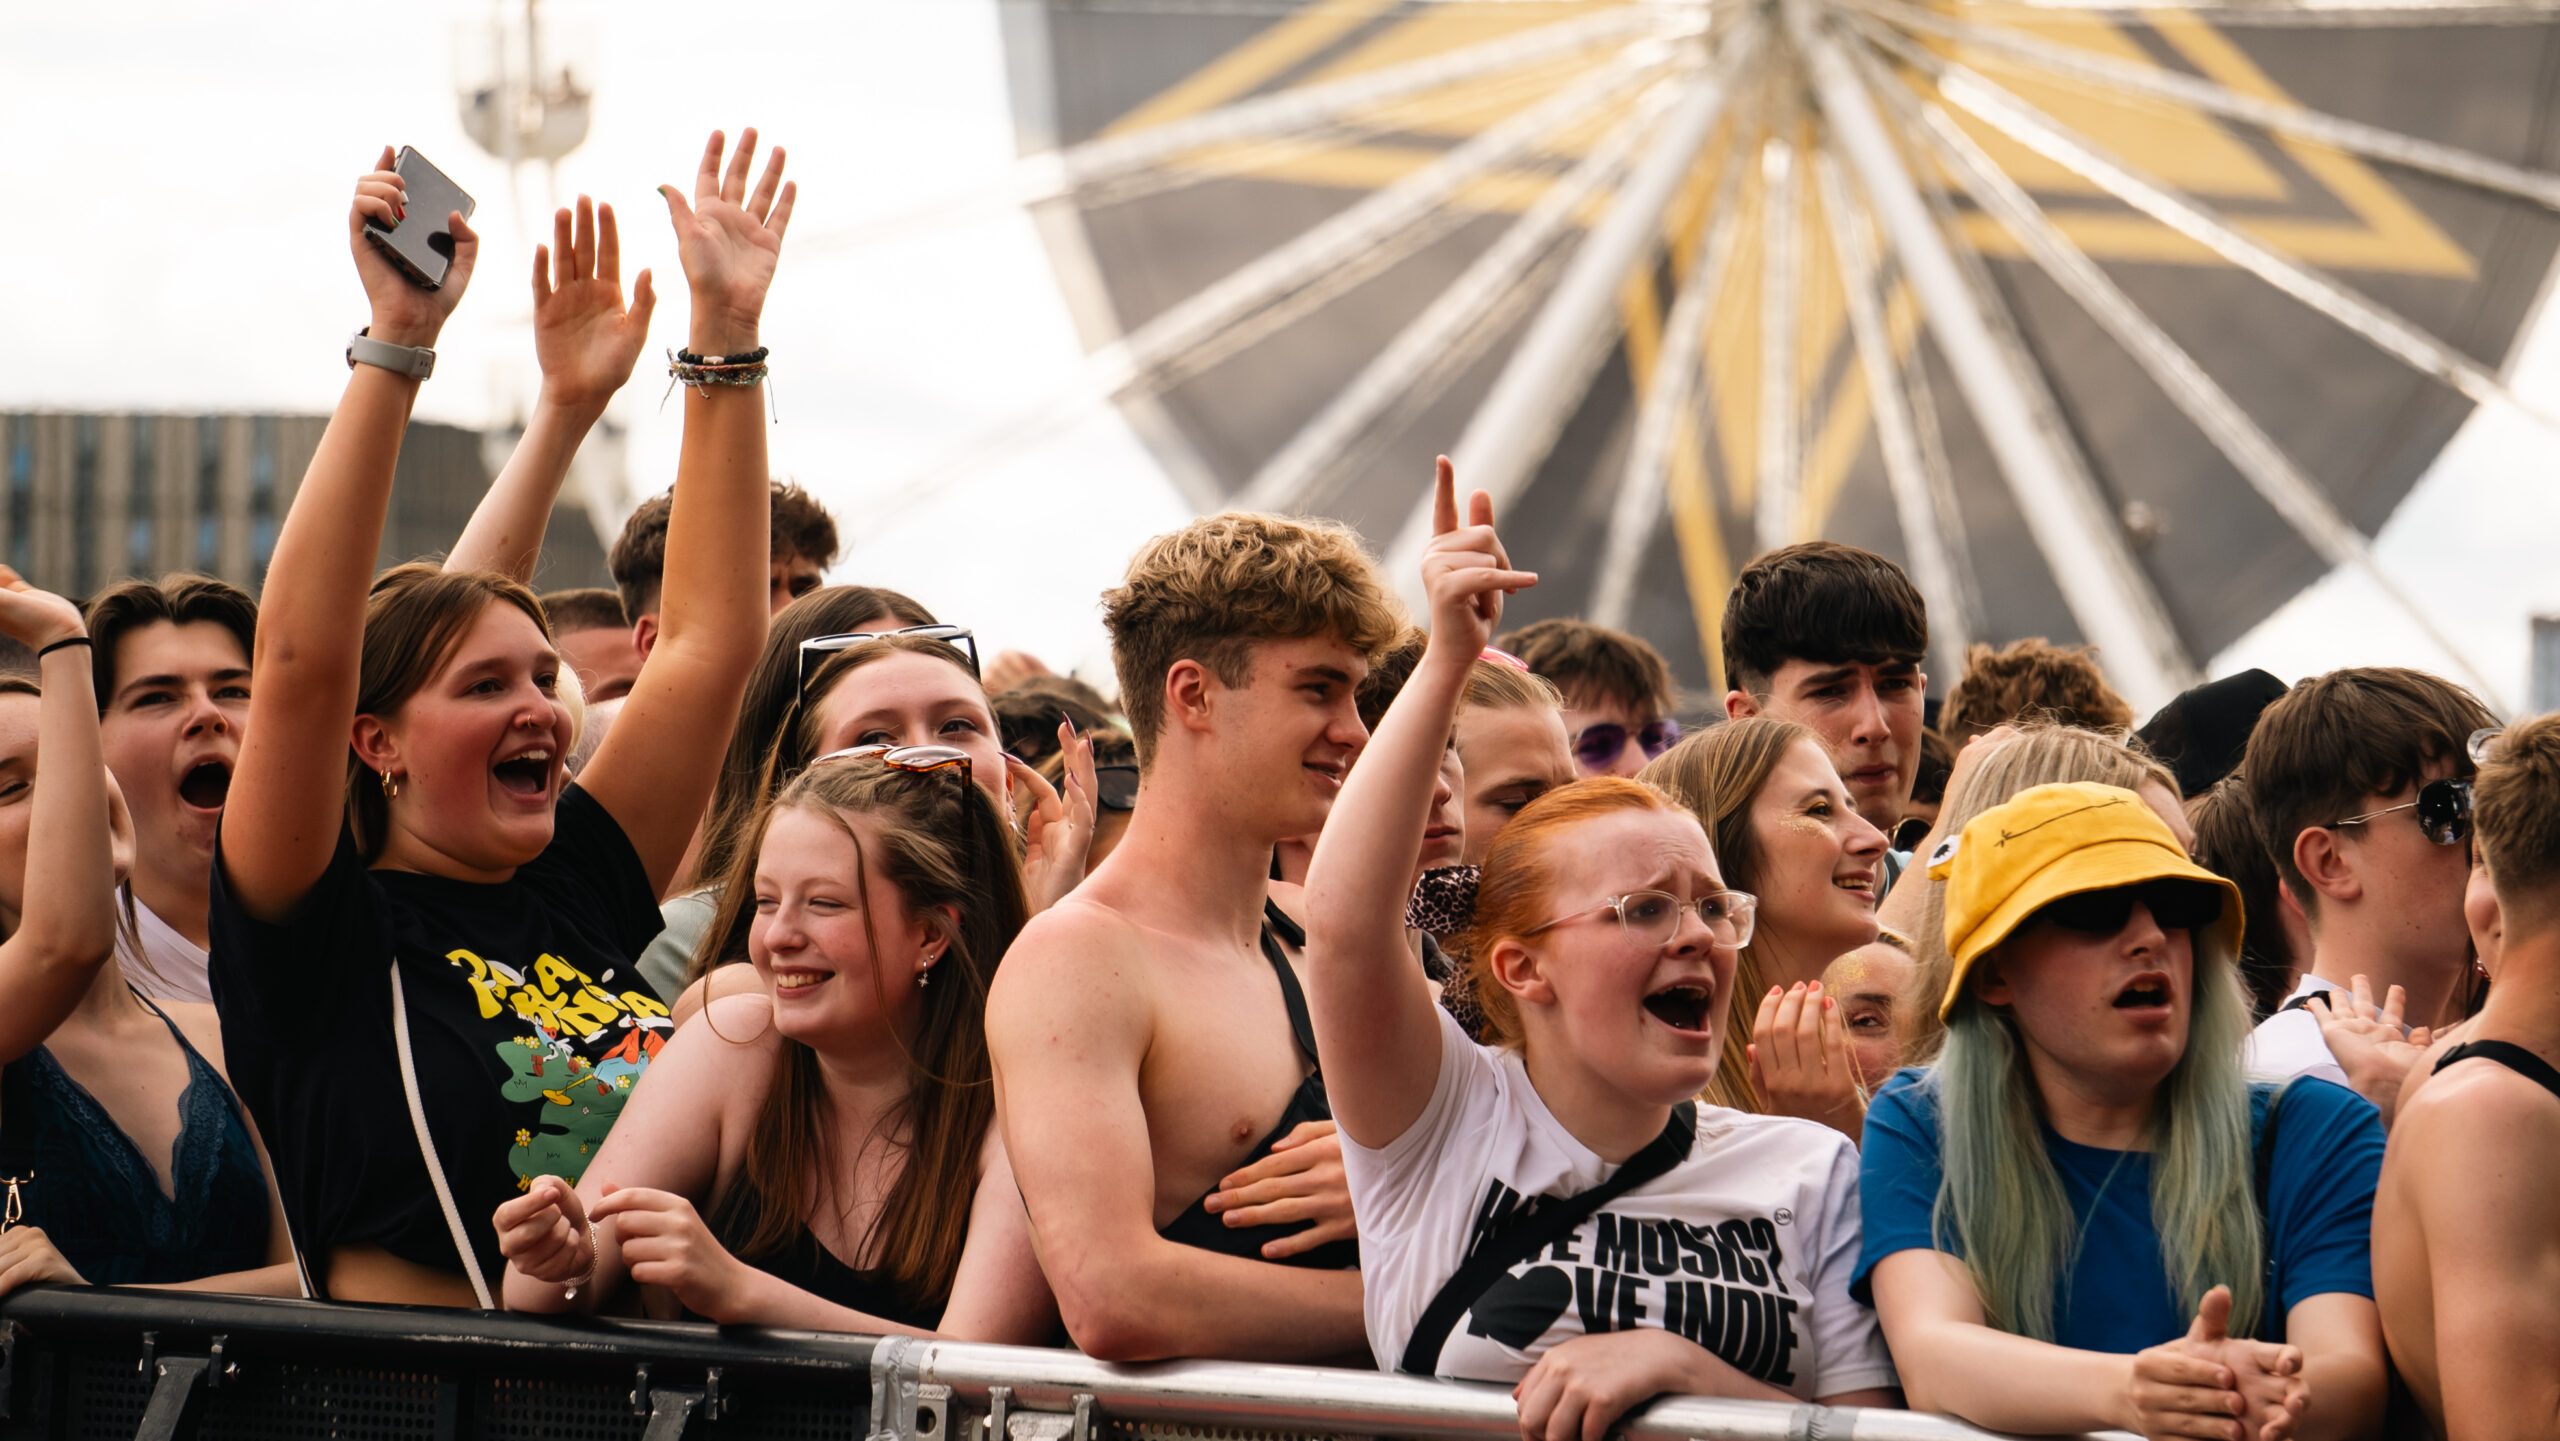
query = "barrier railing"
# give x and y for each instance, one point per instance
(101, 1363)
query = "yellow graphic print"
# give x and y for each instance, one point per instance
(562, 1059)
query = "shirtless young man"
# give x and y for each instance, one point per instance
(2466, 1243)
(1146, 1031)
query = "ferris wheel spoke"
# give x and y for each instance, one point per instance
(1777, 506)
(1451, 319)
(2373, 141)
(2251, 451)
(2338, 14)
(1643, 490)
(1547, 376)
(1998, 107)
(1924, 528)
(2105, 588)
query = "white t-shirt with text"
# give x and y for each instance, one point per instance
(1746, 1247)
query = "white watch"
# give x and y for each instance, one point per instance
(414, 361)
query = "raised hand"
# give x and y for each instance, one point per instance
(545, 1233)
(35, 618)
(585, 338)
(729, 241)
(1301, 1180)
(1465, 571)
(403, 312)
(665, 1243)
(2369, 1042)
(1057, 830)
(1800, 1058)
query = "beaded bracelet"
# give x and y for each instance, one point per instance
(699, 373)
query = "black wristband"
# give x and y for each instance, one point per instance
(44, 651)
(750, 357)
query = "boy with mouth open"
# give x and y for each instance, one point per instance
(1148, 1032)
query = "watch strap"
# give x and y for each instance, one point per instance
(415, 361)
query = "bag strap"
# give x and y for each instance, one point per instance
(1531, 1229)
(427, 1143)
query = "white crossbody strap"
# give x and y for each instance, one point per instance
(427, 1144)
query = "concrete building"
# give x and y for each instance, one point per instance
(89, 500)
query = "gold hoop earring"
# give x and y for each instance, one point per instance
(390, 785)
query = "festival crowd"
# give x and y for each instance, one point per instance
(736, 946)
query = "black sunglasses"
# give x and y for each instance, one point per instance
(1115, 788)
(2443, 807)
(959, 637)
(2174, 906)
(1600, 744)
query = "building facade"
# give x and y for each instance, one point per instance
(91, 499)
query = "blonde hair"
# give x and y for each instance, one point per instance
(1212, 590)
(1492, 685)
(2038, 755)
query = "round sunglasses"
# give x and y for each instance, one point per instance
(2443, 807)
(1599, 745)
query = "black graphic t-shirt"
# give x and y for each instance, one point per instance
(1745, 1247)
(529, 1023)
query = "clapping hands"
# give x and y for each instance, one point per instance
(2208, 1384)
(730, 241)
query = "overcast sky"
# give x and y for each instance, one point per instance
(178, 178)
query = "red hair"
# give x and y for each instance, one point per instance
(1514, 889)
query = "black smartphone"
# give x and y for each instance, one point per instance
(422, 245)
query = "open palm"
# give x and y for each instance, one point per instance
(585, 338)
(729, 241)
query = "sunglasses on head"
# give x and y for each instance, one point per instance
(959, 637)
(1598, 745)
(1115, 788)
(921, 760)
(2174, 906)
(2444, 812)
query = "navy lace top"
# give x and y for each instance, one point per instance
(80, 1177)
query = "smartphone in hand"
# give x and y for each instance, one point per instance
(422, 245)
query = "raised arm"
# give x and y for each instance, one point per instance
(280, 823)
(1372, 1008)
(587, 343)
(654, 772)
(1067, 1030)
(67, 918)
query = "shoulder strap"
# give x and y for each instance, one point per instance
(2300, 1003)
(2263, 1173)
(2510, 1055)
(1300, 1023)
(1531, 1229)
(427, 1143)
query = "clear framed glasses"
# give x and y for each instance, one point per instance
(959, 637)
(1653, 917)
(2444, 812)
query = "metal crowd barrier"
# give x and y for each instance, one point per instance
(104, 1364)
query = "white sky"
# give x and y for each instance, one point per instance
(178, 178)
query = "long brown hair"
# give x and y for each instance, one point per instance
(1716, 774)
(941, 843)
(414, 618)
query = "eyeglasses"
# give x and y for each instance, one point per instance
(2174, 906)
(960, 637)
(1115, 788)
(1653, 917)
(1598, 745)
(922, 760)
(2443, 807)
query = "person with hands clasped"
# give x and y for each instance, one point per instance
(424, 959)
(1552, 1210)
(822, 1153)
(101, 1084)
(2081, 1216)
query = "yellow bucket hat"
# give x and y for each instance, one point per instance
(2049, 842)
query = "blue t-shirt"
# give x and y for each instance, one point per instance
(2118, 1296)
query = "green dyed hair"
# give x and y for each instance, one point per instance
(2001, 1201)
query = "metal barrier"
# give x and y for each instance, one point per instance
(104, 1363)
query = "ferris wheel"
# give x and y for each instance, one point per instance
(2118, 325)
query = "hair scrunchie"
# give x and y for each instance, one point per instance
(1444, 901)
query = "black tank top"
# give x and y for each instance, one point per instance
(2510, 1055)
(813, 1268)
(1195, 1226)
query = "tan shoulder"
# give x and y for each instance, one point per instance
(1075, 961)
(202, 1026)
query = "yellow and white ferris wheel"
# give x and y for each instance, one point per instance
(2114, 324)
